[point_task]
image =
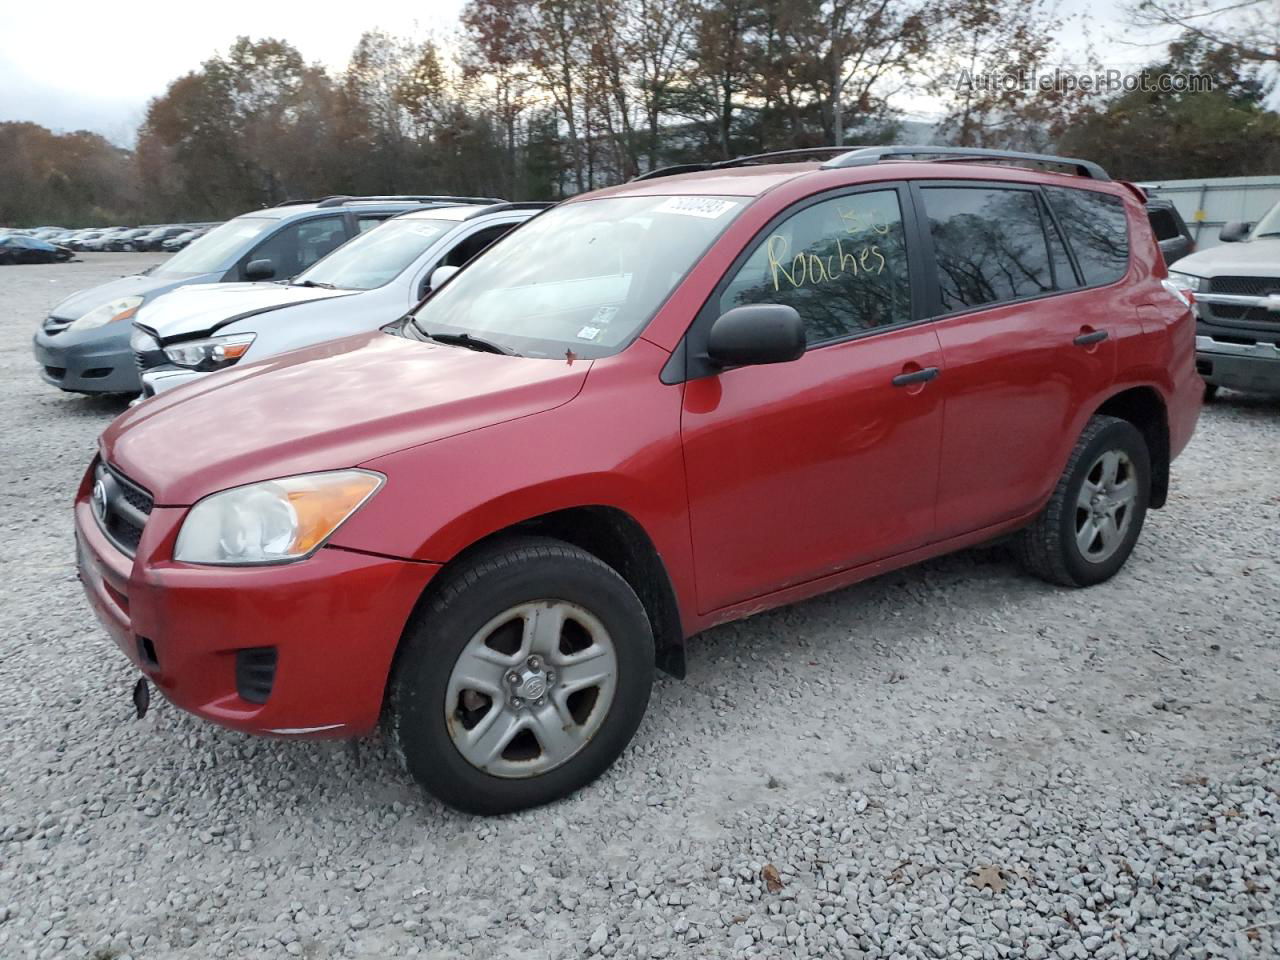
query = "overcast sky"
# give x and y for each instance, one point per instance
(94, 64)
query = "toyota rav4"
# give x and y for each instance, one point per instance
(653, 409)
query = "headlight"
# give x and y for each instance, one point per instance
(211, 354)
(121, 309)
(1185, 281)
(273, 521)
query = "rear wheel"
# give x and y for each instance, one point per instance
(523, 678)
(1087, 530)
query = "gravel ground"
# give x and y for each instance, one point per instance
(950, 761)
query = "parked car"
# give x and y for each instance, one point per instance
(83, 345)
(654, 408)
(103, 240)
(1170, 229)
(174, 244)
(154, 239)
(126, 241)
(196, 331)
(20, 249)
(1236, 287)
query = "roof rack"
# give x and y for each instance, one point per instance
(794, 154)
(504, 207)
(340, 199)
(869, 155)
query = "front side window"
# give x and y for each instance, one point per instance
(989, 245)
(213, 250)
(301, 244)
(841, 263)
(377, 257)
(585, 277)
(1097, 229)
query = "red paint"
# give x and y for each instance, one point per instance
(758, 486)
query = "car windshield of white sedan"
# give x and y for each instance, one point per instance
(1269, 225)
(376, 257)
(585, 277)
(212, 251)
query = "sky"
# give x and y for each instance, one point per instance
(94, 65)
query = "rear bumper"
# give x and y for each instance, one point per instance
(105, 366)
(1252, 367)
(332, 622)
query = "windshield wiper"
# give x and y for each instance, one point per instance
(1269, 233)
(315, 283)
(471, 343)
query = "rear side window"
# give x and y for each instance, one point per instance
(841, 263)
(1097, 230)
(1163, 223)
(989, 244)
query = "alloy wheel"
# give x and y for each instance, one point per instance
(1105, 505)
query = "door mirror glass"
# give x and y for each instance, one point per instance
(439, 275)
(1234, 232)
(259, 270)
(759, 333)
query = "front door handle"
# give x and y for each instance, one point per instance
(1088, 339)
(915, 376)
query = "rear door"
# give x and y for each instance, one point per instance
(800, 470)
(1026, 346)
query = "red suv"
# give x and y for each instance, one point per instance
(653, 409)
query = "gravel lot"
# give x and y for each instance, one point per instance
(955, 760)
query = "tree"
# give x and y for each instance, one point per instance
(1248, 29)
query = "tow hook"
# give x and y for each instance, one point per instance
(141, 697)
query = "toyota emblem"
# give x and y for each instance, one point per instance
(100, 498)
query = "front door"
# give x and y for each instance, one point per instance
(799, 470)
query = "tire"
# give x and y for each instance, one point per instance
(491, 605)
(1210, 392)
(1051, 547)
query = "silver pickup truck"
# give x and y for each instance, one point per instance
(1237, 293)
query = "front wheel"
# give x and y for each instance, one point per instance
(1210, 392)
(1087, 530)
(522, 679)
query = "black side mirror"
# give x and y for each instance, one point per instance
(259, 270)
(1234, 232)
(759, 333)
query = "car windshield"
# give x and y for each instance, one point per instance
(376, 256)
(1269, 225)
(585, 277)
(212, 250)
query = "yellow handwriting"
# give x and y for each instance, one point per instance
(809, 268)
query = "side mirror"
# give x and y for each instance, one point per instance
(438, 276)
(759, 333)
(259, 270)
(1234, 232)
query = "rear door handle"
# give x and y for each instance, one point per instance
(1087, 339)
(916, 376)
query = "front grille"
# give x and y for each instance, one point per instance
(55, 325)
(1243, 287)
(147, 352)
(121, 507)
(255, 673)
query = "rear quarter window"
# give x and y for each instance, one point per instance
(1097, 229)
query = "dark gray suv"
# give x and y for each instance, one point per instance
(83, 345)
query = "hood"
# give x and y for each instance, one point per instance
(203, 309)
(1250, 258)
(326, 407)
(78, 304)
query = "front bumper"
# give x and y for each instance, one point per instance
(99, 364)
(332, 623)
(1252, 367)
(161, 379)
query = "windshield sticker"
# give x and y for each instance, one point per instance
(707, 208)
(588, 333)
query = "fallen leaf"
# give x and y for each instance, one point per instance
(771, 878)
(988, 877)
(1253, 934)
